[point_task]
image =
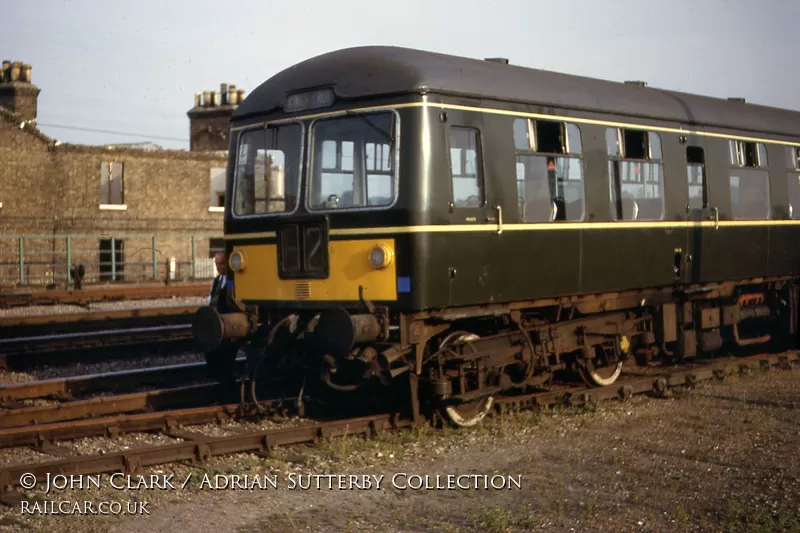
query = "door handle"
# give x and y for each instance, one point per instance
(499, 219)
(715, 214)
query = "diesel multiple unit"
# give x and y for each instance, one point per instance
(470, 227)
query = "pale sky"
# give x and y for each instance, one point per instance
(134, 67)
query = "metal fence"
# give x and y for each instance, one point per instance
(67, 261)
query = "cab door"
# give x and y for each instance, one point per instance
(688, 262)
(474, 219)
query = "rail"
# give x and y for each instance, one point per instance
(200, 448)
(110, 293)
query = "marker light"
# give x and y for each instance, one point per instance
(237, 262)
(381, 256)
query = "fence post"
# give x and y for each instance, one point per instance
(21, 261)
(194, 256)
(155, 260)
(113, 259)
(69, 261)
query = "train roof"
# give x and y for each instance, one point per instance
(372, 71)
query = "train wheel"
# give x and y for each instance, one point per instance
(465, 414)
(599, 376)
(469, 414)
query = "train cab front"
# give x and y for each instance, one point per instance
(316, 264)
(322, 300)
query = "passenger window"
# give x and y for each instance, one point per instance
(750, 194)
(465, 167)
(793, 161)
(574, 144)
(748, 154)
(749, 186)
(550, 187)
(549, 137)
(522, 137)
(612, 141)
(636, 175)
(794, 195)
(695, 169)
(762, 155)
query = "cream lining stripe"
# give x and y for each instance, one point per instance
(479, 228)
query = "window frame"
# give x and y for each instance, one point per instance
(792, 175)
(613, 163)
(704, 200)
(735, 206)
(567, 154)
(109, 204)
(740, 149)
(307, 176)
(263, 127)
(793, 160)
(479, 167)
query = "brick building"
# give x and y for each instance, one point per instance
(64, 204)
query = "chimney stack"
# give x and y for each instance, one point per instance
(209, 119)
(17, 93)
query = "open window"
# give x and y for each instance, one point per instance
(111, 184)
(748, 154)
(636, 175)
(550, 183)
(217, 190)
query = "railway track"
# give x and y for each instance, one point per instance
(199, 447)
(13, 396)
(102, 294)
(25, 337)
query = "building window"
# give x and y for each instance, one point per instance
(696, 175)
(465, 167)
(549, 171)
(111, 184)
(636, 174)
(217, 188)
